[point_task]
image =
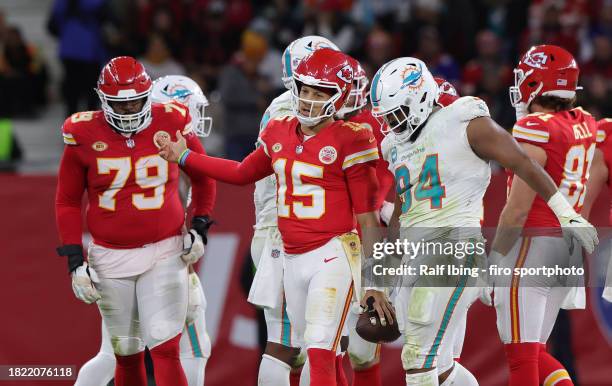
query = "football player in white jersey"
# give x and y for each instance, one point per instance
(439, 157)
(195, 345)
(281, 354)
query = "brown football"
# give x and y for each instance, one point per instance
(370, 328)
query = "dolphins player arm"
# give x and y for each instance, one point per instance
(491, 142)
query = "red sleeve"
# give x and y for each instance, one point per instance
(533, 129)
(363, 187)
(203, 188)
(68, 198)
(253, 168)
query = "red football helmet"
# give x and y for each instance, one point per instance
(447, 93)
(544, 70)
(358, 95)
(124, 79)
(325, 69)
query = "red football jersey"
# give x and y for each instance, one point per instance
(321, 180)
(132, 192)
(384, 176)
(568, 137)
(604, 143)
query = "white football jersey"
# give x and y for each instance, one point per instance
(265, 189)
(439, 178)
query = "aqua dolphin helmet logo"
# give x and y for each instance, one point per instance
(178, 92)
(412, 76)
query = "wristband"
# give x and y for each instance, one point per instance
(183, 157)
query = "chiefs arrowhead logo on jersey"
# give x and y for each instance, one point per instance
(537, 60)
(346, 74)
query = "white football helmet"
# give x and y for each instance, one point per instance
(358, 97)
(185, 90)
(298, 50)
(403, 93)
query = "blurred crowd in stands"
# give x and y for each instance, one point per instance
(233, 48)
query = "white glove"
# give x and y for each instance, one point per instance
(195, 298)
(485, 295)
(193, 247)
(607, 294)
(82, 284)
(573, 225)
(386, 211)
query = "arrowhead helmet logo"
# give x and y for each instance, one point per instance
(537, 60)
(346, 74)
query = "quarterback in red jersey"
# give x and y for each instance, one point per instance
(136, 220)
(561, 139)
(326, 173)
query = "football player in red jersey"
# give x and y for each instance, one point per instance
(364, 355)
(599, 175)
(138, 258)
(561, 139)
(326, 172)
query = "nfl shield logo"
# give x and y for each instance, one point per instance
(275, 253)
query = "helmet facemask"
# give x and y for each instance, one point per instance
(127, 123)
(202, 124)
(327, 108)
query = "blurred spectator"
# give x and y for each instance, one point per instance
(3, 26)
(210, 41)
(596, 96)
(326, 18)
(78, 25)
(488, 59)
(430, 51)
(243, 95)
(379, 50)
(158, 60)
(161, 17)
(551, 23)
(601, 62)
(23, 76)
(10, 150)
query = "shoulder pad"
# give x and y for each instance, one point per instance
(177, 113)
(468, 108)
(532, 128)
(74, 125)
(604, 129)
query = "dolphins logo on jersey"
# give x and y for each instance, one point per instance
(412, 77)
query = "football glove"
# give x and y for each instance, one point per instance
(573, 225)
(195, 298)
(193, 247)
(82, 284)
(201, 224)
(607, 294)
